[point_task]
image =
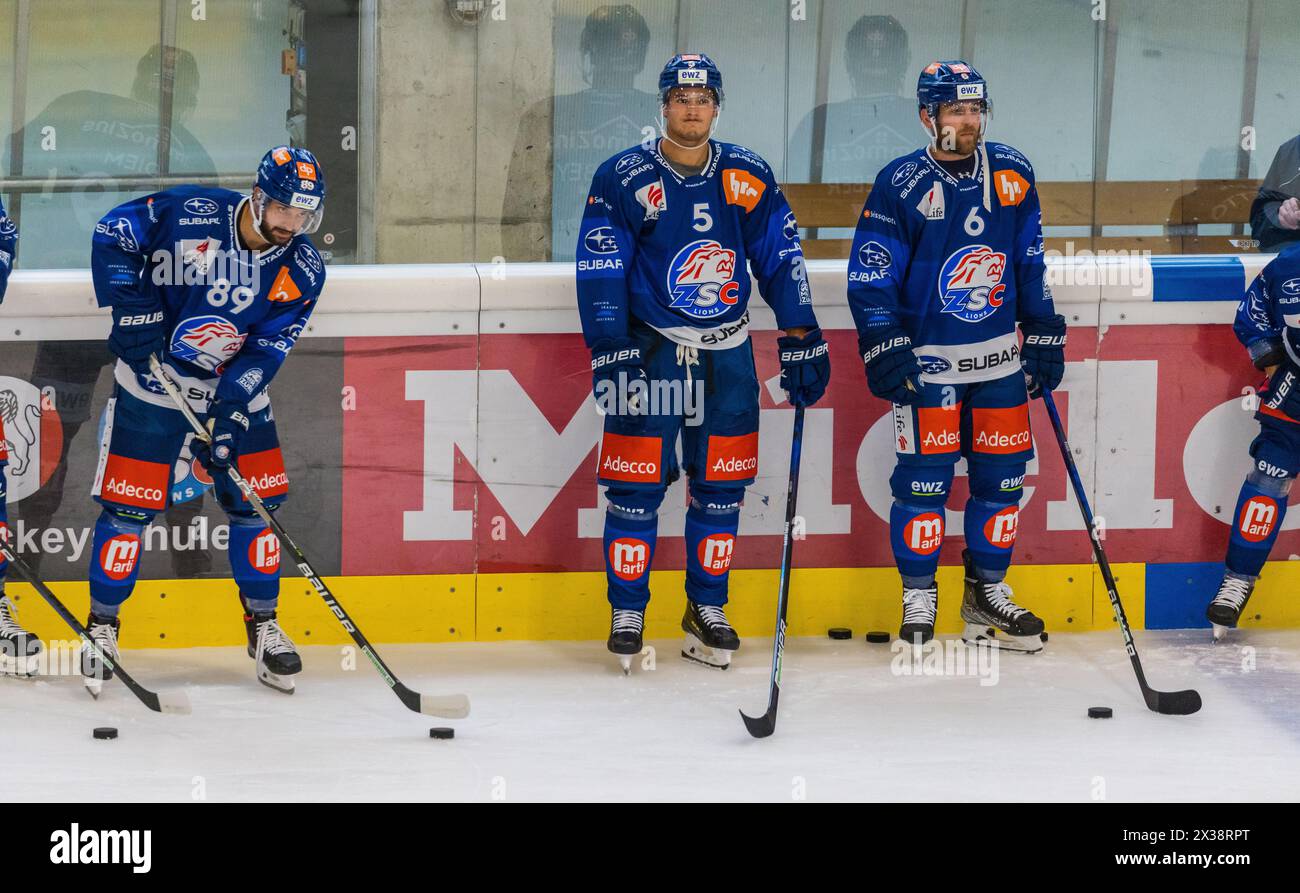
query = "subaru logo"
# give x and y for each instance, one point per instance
(202, 207)
(626, 163)
(601, 240)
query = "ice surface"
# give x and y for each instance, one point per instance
(558, 721)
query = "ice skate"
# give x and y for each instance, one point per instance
(1225, 609)
(710, 640)
(919, 609)
(625, 628)
(991, 615)
(103, 632)
(277, 659)
(19, 649)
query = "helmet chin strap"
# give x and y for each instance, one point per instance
(663, 132)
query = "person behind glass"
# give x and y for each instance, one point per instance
(18, 647)
(1275, 213)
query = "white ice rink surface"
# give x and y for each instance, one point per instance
(558, 721)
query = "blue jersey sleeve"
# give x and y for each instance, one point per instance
(606, 250)
(1258, 325)
(1034, 297)
(120, 249)
(878, 262)
(772, 246)
(8, 249)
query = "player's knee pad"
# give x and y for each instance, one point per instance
(992, 514)
(631, 529)
(115, 553)
(712, 519)
(1257, 518)
(922, 485)
(915, 535)
(254, 551)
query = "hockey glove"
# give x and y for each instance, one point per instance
(227, 423)
(1042, 355)
(1283, 394)
(893, 373)
(805, 367)
(615, 364)
(136, 334)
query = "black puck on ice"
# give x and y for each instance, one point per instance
(839, 632)
(105, 733)
(1100, 713)
(442, 732)
(1042, 637)
(878, 637)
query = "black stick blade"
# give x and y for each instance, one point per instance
(762, 726)
(1174, 703)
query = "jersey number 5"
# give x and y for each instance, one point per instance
(703, 219)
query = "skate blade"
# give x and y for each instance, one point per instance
(21, 668)
(625, 663)
(1220, 631)
(282, 684)
(93, 686)
(980, 634)
(697, 652)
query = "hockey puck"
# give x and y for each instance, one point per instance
(442, 732)
(878, 637)
(1100, 713)
(839, 632)
(1042, 637)
(105, 733)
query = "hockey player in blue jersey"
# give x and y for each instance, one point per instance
(670, 233)
(1268, 324)
(18, 647)
(947, 259)
(219, 286)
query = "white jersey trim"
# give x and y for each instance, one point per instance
(981, 361)
(723, 337)
(189, 385)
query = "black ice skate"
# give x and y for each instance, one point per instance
(1225, 609)
(103, 632)
(625, 629)
(988, 610)
(919, 609)
(276, 657)
(710, 640)
(19, 649)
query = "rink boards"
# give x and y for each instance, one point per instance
(440, 442)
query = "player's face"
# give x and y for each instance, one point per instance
(959, 126)
(689, 113)
(280, 223)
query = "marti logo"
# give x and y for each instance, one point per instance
(714, 553)
(118, 556)
(1000, 530)
(1258, 516)
(701, 279)
(970, 282)
(264, 552)
(924, 533)
(629, 558)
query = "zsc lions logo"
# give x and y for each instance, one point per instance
(970, 282)
(208, 342)
(701, 279)
(600, 240)
(626, 163)
(201, 207)
(901, 175)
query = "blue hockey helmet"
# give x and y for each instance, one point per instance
(294, 178)
(956, 81)
(690, 70)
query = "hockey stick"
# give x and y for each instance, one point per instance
(159, 702)
(762, 726)
(1176, 703)
(450, 706)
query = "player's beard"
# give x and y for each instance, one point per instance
(274, 235)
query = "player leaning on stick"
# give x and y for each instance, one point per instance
(18, 647)
(219, 286)
(1268, 324)
(947, 259)
(669, 236)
